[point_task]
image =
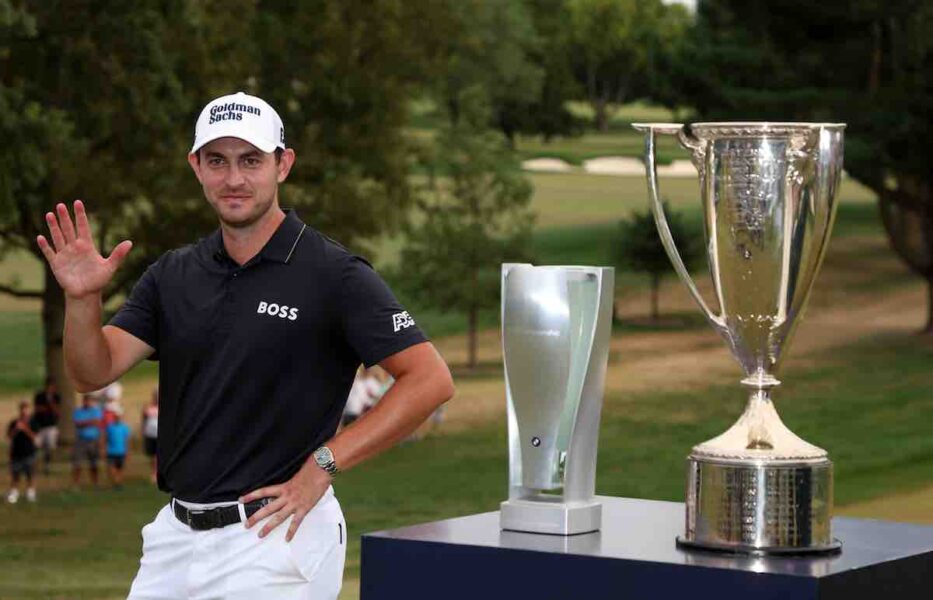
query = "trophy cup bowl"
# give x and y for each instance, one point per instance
(556, 324)
(769, 199)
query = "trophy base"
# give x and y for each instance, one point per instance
(834, 547)
(550, 516)
(759, 507)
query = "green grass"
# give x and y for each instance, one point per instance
(866, 404)
(581, 199)
(21, 269)
(21, 367)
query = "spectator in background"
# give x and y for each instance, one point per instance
(88, 419)
(110, 397)
(22, 438)
(118, 436)
(47, 404)
(150, 429)
(364, 393)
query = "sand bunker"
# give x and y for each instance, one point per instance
(547, 165)
(614, 165)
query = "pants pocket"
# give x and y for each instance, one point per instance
(318, 549)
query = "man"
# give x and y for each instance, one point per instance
(258, 330)
(150, 429)
(88, 419)
(118, 437)
(22, 438)
(46, 407)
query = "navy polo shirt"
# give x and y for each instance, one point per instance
(256, 361)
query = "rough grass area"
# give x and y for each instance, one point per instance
(868, 409)
(21, 367)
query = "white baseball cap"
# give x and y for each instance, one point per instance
(241, 116)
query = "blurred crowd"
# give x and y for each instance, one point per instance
(369, 386)
(103, 436)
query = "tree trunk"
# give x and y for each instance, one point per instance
(655, 292)
(874, 65)
(928, 330)
(908, 223)
(601, 115)
(472, 325)
(53, 323)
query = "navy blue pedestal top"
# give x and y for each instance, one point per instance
(634, 557)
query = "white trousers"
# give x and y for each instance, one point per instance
(233, 563)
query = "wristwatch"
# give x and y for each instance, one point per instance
(324, 457)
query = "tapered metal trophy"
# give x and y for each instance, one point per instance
(556, 324)
(769, 199)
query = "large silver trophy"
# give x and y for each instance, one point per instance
(556, 324)
(769, 199)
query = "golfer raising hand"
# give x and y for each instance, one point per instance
(258, 330)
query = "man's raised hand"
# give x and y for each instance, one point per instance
(78, 266)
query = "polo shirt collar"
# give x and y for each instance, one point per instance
(280, 246)
(283, 242)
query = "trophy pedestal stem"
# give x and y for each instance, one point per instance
(557, 518)
(759, 507)
(759, 435)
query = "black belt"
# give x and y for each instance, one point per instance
(202, 519)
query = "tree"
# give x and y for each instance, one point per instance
(614, 45)
(640, 248)
(91, 105)
(867, 63)
(488, 54)
(546, 115)
(474, 216)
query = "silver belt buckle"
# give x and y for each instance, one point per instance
(193, 512)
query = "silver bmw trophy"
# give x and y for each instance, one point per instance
(556, 324)
(769, 199)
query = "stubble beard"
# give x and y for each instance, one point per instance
(258, 211)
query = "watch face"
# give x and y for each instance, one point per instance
(323, 456)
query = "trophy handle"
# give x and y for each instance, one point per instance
(657, 208)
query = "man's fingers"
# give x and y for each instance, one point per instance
(265, 511)
(274, 522)
(57, 238)
(84, 227)
(119, 254)
(266, 492)
(297, 518)
(46, 249)
(64, 220)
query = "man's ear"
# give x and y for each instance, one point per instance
(285, 164)
(195, 162)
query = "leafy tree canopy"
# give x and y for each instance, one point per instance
(474, 215)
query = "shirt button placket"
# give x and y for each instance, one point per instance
(228, 312)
